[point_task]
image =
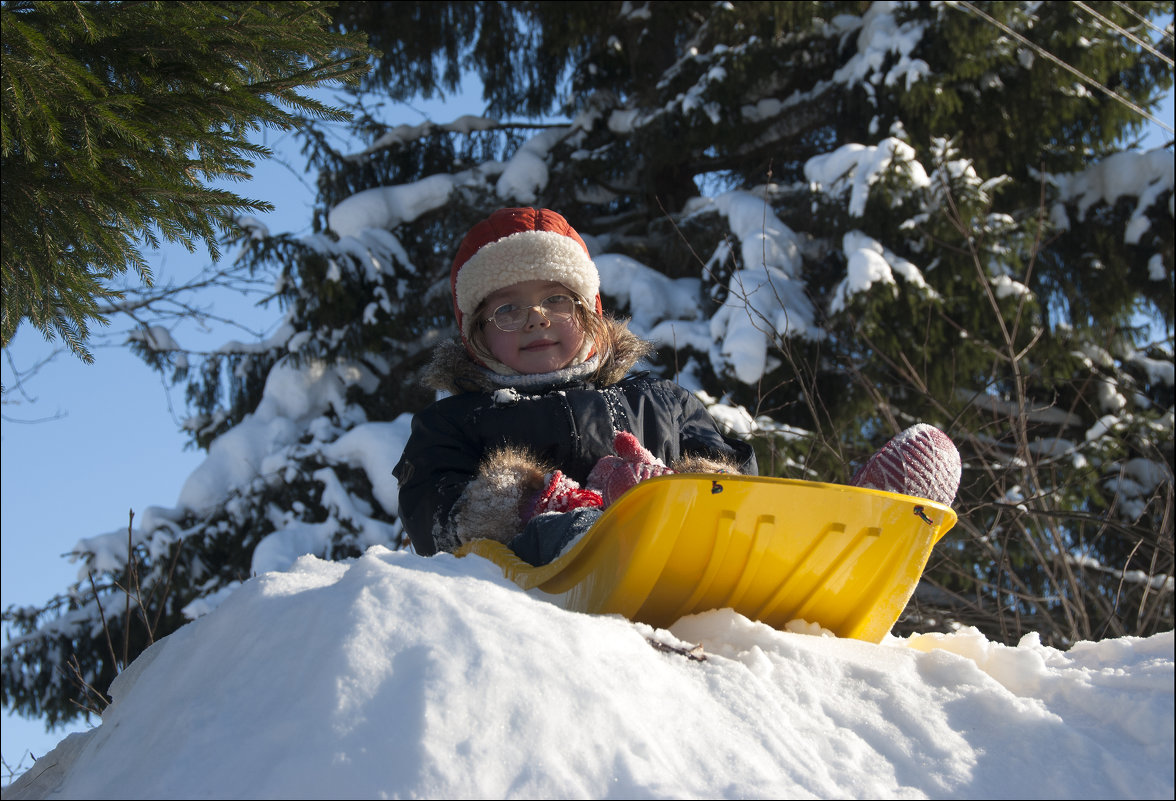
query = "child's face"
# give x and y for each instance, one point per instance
(541, 345)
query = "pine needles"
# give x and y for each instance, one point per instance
(119, 118)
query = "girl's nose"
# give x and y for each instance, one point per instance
(536, 317)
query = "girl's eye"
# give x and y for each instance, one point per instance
(558, 302)
(505, 308)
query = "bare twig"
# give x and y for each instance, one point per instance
(105, 626)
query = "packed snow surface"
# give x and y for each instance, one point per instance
(393, 675)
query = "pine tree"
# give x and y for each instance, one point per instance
(118, 118)
(854, 216)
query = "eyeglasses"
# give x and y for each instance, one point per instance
(556, 309)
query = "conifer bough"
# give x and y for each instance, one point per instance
(118, 115)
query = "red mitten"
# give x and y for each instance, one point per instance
(633, 464)
(561, 494)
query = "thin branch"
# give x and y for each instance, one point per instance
(1124, 32)
(105, 625)
(1051, 57)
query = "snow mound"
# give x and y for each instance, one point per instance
(393, 675)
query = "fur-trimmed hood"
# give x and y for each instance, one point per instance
(453, 370)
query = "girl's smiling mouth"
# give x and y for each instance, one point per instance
(539, 344)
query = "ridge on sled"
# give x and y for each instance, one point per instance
(772, 549)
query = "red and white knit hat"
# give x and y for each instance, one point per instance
(515, 245)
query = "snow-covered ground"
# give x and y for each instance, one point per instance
(393, 675)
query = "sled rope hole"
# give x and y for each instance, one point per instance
(919, 513)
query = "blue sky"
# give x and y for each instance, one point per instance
(109, 440)
(113, 443)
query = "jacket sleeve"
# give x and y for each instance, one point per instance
(451, 492)
(704, 448)
(437, 463)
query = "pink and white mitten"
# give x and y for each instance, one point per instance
(561, 494)
(921, 461)
(633, 464)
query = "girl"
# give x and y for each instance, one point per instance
(544, 428)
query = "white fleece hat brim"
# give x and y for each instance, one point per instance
(524, 256)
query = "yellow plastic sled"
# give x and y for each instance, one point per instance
(772, 549)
